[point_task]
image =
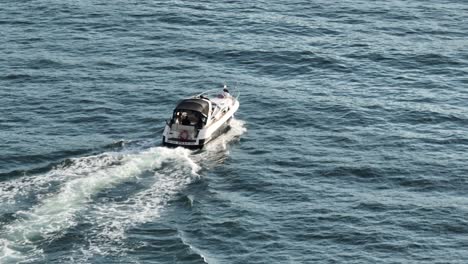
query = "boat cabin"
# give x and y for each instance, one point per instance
(191, 112)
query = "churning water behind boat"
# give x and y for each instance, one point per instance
(105, 194)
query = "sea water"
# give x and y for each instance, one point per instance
(350, 144)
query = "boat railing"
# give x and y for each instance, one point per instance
(234, 93)
(213, 91)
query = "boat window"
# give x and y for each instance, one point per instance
(189, 118)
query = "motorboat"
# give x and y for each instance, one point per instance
(201, 118)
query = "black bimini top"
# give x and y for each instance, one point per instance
(198, 105)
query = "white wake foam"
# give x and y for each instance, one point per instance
(78, 184)
(112, 219)
(16, 191)
(57, 213)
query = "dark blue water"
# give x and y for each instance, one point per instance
(350, 144)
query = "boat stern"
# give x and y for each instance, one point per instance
(177, 135)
